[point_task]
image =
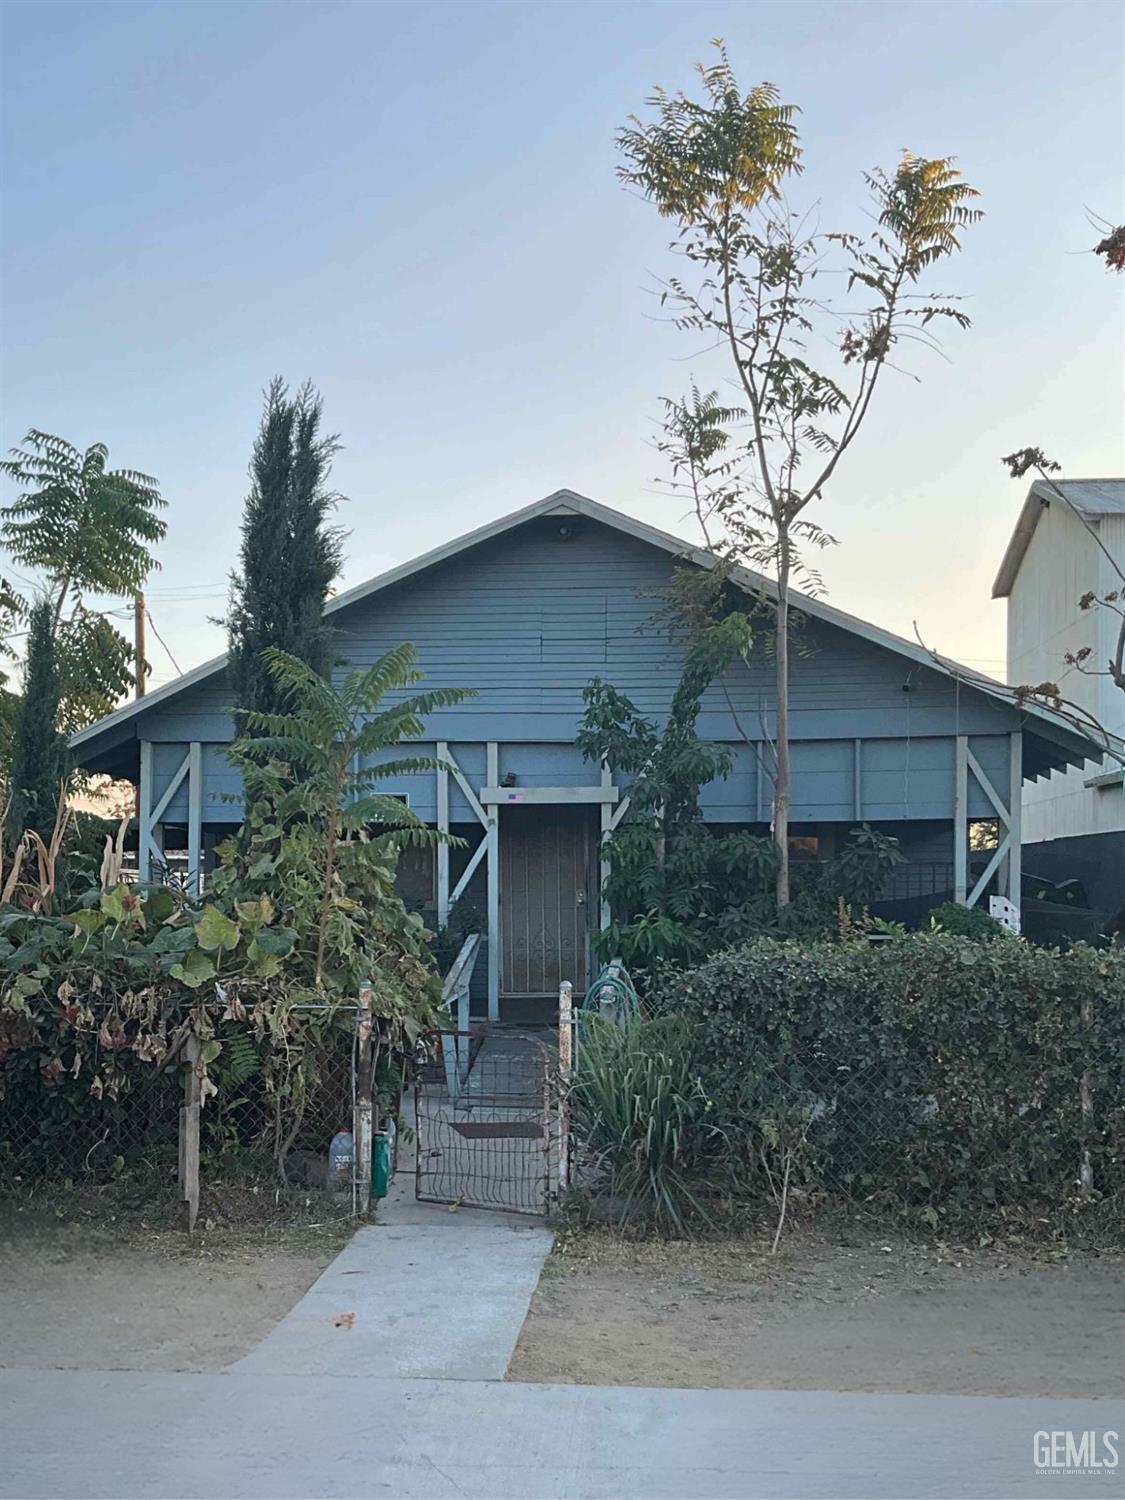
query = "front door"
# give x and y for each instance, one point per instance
(548, 868)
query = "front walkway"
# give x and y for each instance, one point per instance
(426, 1291)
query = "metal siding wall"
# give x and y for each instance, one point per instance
(1044, 623)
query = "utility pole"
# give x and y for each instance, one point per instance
(139, 641)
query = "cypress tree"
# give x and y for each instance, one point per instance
(289, 553)
(38, 749)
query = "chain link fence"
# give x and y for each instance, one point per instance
(100, 1104)
(666, 1135)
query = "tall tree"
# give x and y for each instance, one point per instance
(11, 606)
(290, 554)
(86, 530)
(38, 749)
(806, 321)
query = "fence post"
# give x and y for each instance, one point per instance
(566, 1072)
(189, 1134)
(362, 1128)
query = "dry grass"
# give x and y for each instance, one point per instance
(143, 1214)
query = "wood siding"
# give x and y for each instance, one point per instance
(528, 618)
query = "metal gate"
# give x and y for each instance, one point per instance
(483, 1117)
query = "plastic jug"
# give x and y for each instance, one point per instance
(341, 1161)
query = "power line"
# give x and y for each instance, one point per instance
(160, 638)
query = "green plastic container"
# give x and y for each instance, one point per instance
(380, 1164)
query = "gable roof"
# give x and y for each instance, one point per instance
(1092, 498)
(1076, 745)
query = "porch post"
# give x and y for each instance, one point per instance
(961, 821)
(492, 835)
(195, 818)
(144, 813)
(443, 828)
(1015, 818)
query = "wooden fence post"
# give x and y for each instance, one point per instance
(189, 1134)
(362, 1127)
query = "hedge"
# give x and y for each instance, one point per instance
(941, 1070)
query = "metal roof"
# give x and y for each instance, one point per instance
(1092, 498)
(569, 502)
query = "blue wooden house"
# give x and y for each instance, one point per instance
(527, 610)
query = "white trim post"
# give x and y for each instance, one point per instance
(492, 834)
(961, 821)
(1015, 817)
(443, 828)
(195, 818)
(144, 813)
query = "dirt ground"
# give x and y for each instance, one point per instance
(832, 1311)
(84, 1292)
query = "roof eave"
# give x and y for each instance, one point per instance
(569, 502)
(1018, 543)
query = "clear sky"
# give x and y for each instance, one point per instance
(415, 206)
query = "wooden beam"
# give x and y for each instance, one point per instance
(539, 796)
(492, 838)
(444, 900)
(619, 811)
(961, 820)
(470, 795)
(189, 1133)
(171, 789)
(195, 817)
(1015, 821)
(144, 813)
(988, 789)
(989, 870)
(469, 871)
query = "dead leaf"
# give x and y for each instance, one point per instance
(345, 1320)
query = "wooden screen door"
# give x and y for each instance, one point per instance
(548, 871)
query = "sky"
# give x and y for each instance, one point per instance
(415, 206)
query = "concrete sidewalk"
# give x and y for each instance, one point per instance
(424, 1292)
(125, 1434)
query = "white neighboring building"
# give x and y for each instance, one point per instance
(1073, 823)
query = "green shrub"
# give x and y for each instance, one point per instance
(965, 921)
(944, 1071)
(646, 1127)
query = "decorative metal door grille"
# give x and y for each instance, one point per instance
(483, 1118)
(545, 898)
